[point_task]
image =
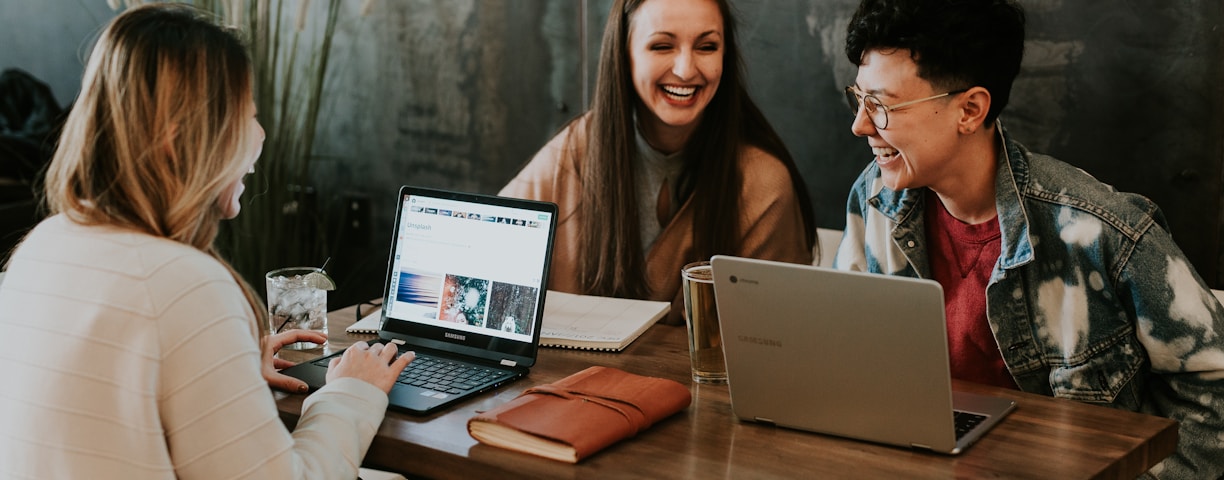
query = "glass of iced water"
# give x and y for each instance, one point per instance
(297, 298)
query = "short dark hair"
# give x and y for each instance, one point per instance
(956, 43)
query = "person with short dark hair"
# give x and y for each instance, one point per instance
(1054, 283)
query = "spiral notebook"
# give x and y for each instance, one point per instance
(368, 324)
(585, 322)
(590, 322)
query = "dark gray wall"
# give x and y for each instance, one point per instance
(460, 93)
(453, 94)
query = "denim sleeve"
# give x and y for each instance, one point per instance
(852, 252)
(1181, 325)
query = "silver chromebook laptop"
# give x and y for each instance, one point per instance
(464, 290)
(850, 354)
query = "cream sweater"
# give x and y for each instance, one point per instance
(129, 356)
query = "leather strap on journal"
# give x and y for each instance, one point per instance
(633, 414)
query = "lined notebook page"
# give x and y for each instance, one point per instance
(597, 323)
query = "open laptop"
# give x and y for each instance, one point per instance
(851, 354)
(465, 289)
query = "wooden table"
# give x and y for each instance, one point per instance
(1044, 438)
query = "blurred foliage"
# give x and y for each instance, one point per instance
(290, 45)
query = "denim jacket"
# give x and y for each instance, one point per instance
(1090, 298)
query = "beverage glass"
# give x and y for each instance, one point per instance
(294, 303)
(701, 317)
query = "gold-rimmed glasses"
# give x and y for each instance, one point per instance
(877, 111)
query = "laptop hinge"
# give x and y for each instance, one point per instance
(509, 363)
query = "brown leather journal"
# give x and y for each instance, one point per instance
(574, 417)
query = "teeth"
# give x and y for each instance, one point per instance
(883, 151)
(681, 92)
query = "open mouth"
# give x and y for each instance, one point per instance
(885, 154)
(679, 94)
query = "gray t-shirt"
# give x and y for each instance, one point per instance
(651, 169)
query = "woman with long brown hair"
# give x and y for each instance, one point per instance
(133, 347)
(673, 162)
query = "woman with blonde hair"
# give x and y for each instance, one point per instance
(673, 163)
(133, 347)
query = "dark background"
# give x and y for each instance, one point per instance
(459, 94)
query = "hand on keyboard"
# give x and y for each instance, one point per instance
(376, 364)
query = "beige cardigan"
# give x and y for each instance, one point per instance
(771, 225)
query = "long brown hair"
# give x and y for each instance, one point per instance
(158, 131)
(613, 261)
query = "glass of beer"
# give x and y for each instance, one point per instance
(701, 317)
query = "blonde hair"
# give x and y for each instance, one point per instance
(158, 131)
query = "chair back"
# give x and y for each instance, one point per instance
(827, 241)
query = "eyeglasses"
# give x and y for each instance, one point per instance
(876, 110)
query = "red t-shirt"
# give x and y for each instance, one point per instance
(962, 257)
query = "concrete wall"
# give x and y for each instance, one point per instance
(460, 93)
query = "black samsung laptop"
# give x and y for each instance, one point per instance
(465, 290)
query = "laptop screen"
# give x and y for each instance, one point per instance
(467, 273)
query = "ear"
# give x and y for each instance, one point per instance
(974, 107)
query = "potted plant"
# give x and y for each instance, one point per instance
(280, 222)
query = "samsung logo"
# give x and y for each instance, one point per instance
(768, 342)
(455, 336)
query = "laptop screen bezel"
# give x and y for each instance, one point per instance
(503, 351)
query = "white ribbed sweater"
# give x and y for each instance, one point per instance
(129, 356)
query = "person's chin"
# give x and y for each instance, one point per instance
(677, 113)
(681, 119)
(893, 181)
(228, 212)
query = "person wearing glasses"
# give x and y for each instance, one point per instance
(1054, 282)
(673, 162)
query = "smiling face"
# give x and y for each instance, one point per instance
(676, 54)
(229, 200)
(920, 146)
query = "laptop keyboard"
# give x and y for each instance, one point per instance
(443, 375)
(965, 422)
(448, 376)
